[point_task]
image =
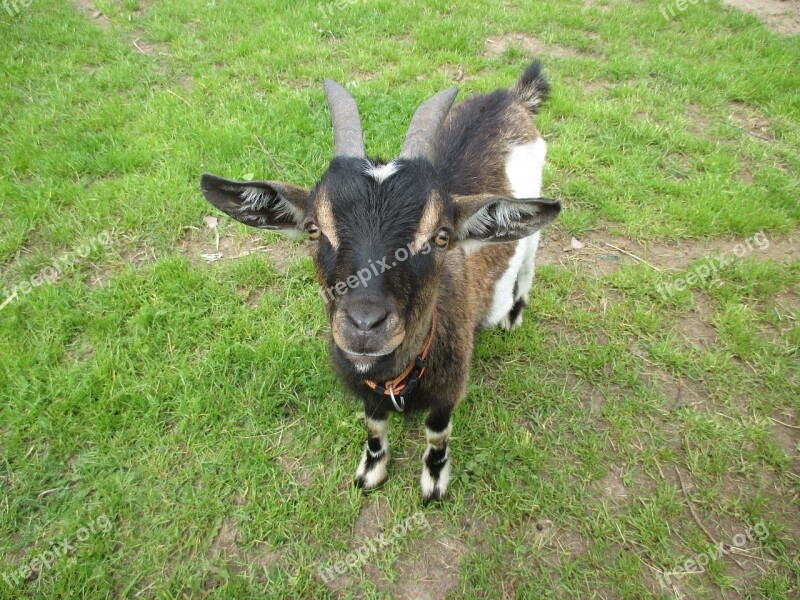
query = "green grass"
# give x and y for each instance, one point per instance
(194, 405)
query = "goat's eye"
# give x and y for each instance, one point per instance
(313, 231)
(442, 238)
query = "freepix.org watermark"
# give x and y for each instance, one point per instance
(329, 8)
(681, 5)
(14, 7)
(711, 265)
(52, 272)
(58, 550)
(373, 269)
(417, 521)
(697, 563)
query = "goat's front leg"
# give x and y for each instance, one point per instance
(436, 461)
(372, 469)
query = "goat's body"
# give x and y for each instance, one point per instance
(449, 228)
(490, 145)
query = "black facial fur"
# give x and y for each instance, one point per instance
(374, 221)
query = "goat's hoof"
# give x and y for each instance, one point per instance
(426, 500)
(366, 485)
(371, 472)
(361, 484)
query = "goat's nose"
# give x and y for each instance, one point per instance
(367, 317)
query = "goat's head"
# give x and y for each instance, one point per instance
(379, 231)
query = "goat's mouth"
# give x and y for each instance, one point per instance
(366, 352)
(358, 354)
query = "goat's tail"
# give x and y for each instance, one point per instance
(532, 87)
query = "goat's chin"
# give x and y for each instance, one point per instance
(367, 366)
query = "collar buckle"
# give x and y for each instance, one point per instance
(401, 406)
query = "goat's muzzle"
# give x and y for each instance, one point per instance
(367, 329)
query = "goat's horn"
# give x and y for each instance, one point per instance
(348, 139)
(423, 133)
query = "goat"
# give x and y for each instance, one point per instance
(417, 254)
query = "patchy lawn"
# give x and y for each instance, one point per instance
(169, 423)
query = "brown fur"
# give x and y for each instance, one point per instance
(324, 217)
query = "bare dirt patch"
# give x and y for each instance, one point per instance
(459, 73)
(740, 116)
(694, 324)
(225, 546)
(780, 16)
(787, 435)
(698, 122)
(479, 527)
(427, 569)
(749, 119)
(200, 246)
(88, 8)
(290, 460)
(369, 525)
(601, 5)
(139, 40)
(147, 47)
(604, 253)
(532, 46)
(371, 520)
(592, 87)
(612, 487)
(679, 392)
(785, 305)
(431, 569)
(132, 257)
(556, 248)
(544, 533)
(225, 542)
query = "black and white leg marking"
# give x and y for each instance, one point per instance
(522, 287)
(515, 315)
(436, 462)
(372, 469)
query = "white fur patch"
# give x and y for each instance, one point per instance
(379, 429)
(438, 438)
(524, 168)
(471, 246)
(524, 173)
(362, 367)
(254, 197)
(382, 172)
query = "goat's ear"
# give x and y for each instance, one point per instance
(489, 218)
(262, 204)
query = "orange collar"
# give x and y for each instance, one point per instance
(405, 383)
